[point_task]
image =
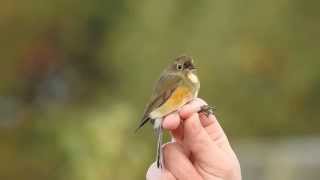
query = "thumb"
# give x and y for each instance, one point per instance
(155, 173)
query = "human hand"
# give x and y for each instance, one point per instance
(200, 148)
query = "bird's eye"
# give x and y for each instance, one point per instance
(179, 67)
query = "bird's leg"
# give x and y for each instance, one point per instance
(159, 135)
(207, 110)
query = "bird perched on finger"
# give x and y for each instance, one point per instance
(178, 85)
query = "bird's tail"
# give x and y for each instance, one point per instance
(159, 135)
(143, 122)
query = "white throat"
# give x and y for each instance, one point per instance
(193, 78)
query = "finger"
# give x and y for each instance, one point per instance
(177, 162)
(198, 141)
(177, 134)
(171, 121)
(155, 173)
(204, 151)
(207, 120)
(214, 130)
(192, 107)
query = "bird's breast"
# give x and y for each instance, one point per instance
(178, 98)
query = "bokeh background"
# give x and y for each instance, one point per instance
(75, 77)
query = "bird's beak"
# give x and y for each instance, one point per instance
(190, 66)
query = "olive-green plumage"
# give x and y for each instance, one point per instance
(178, 84)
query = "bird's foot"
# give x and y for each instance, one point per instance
(207, 110)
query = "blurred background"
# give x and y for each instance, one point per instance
(75, 77)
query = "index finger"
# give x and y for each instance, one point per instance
(193, 107)
(210, 123)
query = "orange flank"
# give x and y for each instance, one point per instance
(179, 97)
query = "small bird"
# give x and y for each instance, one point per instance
(178, 85)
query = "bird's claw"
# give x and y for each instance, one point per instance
(207, 110)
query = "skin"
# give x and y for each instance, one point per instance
(200, 149)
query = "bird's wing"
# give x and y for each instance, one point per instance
(163, 90)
